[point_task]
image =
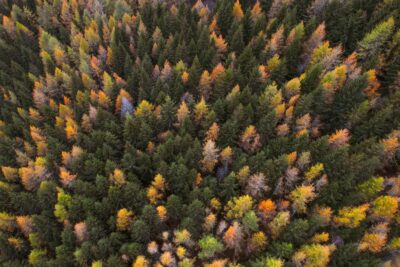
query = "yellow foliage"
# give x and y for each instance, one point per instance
(140, 261)
(209, 221)
(324, 213)
(145, 108)
(11, 174)
(273, 63)
(215, 203)
(71, 129)
(226, 155)
(118, 177)
(314, 171)
(351, 217)
(162, 212)
(385, 207)
(217, 263)
(185, 77)
(280, 110)
(124, 219)
(180, 252)
(258, 241)
(182, 237)
(159, 182)
(314, 255)
(200, 110)
(167, 259)
(153, 195)
(243, 174)
(238, 206)
(292, 87)
(36, 134)
(301, 196)
(320, 237)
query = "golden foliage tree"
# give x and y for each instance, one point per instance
(124, 219)
(351, 216)
(182, 113)
(385, 207)
(301, 196)
(66, 177)
(237, 10)
(238, 206)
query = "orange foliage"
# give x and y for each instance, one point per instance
(339, 138)
(25, 224)
(185, 77)
(81, 232)
(233, 236)
(267, 208)
(219, 41)
(162, 212)
(373, 84)
(66, 177)
(217, 71)
(182, 113)
(118, 102)
(237, 10)
(212, 133)
(11, 174)
(256, 11)
(213, 25)
(71, 129)
(103, 99)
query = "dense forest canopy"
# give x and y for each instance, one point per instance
(186, 133)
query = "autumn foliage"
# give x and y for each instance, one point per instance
(216, 133)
